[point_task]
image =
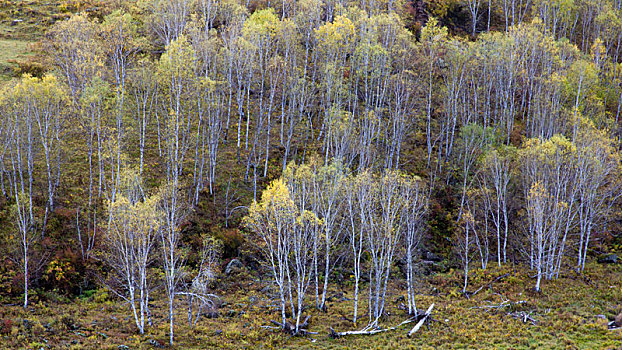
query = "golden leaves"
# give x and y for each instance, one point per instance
(338, 35)
(261, 25)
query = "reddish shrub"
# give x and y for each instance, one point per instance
(5, 326)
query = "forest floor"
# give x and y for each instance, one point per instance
(570, 313)
(22, 28)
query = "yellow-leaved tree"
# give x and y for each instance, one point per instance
(134, 224)
(548, 170)
(286, 237)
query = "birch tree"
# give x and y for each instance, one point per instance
(176, 74)
(43, 105)
(260, 31)
(133, 228)
(211, 108)
(76, 52)
(383, 228)
(287, 234)
(598, 187)
(415, 210)
(169, 18)
(494, 183)
(515, 11)
(303, 240)
(198, 290)
(433, 38)
(319, 188)
(358, 194)
(172, 210)
(335, 43)
(145, 92)
(376, 205)
(327, 197)
(119, 47)
(463, 243)
(473, 6)
(549, 183)
(271, 220)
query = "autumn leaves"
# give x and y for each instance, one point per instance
(316, 212)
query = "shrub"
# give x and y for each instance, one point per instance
(100, 296)
(6, 325)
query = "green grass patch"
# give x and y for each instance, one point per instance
(11, 52)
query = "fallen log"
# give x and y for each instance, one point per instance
(421, 321)
(524, 317)
(368, 331)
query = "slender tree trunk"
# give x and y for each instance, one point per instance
(25, 277)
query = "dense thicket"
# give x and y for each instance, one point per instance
(158, 127)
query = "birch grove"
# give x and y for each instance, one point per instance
(342, 142)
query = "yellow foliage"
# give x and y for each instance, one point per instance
(336, 36)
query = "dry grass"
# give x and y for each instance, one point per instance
(567, 314)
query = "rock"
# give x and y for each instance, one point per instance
(426, 268)
(212, 314)
(155, 343)
(232, 313)
(618, 320)
(608, 259)
(431, 257)
(103, 335)
(48, 327)
(232, 266)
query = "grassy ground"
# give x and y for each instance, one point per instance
(23, 24)
(571, 313)
(12, 51)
